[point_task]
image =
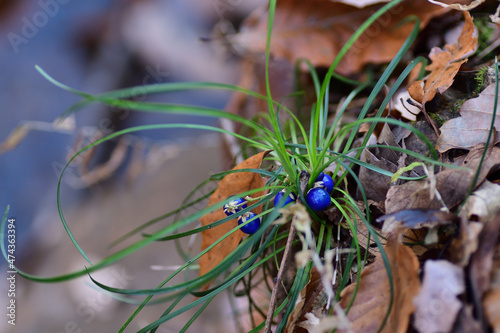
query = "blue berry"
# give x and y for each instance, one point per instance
(325, 183)
(318, 199)
(234, 206)
(320, 176)
(251, 227)
(291, 198)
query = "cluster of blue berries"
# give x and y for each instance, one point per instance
(238, 204)
(318, 198)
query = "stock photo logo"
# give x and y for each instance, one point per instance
(32, 25)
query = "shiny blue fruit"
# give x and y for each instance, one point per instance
(318, 199)
(325, 183)
(252, 226)
(291, 198)
(234, 206)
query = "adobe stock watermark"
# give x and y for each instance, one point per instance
(105, 127)
(32, 25)
(96, 303)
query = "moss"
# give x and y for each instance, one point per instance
(437, 119)
(485, 29)
(479, 79)
(457, 104)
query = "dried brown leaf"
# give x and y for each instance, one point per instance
(482, 261)
(491, 303)
(231, 184)
(491, 300)
(436, 304)
(458, 5)
(317, 29)
(484, 272)
(474, 124)
(365, 239)
(445, 64)
(252, 77)
(466, 243)
(312, 299)
(373, 295)
(452, 184)
(484, 203)
(374, 183)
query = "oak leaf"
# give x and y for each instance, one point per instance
(474, 124)
(445, 64)
(231, 184)
(373, 295)
(317, 29)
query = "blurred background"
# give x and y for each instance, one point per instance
(97, 46)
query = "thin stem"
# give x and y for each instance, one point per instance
(279, 278)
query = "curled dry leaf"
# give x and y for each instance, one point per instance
(474, 124)
(459, 5)
(406, 109)
(373, 295)
(445, 64)
(467, 5)
(466, 242)
(483, 204)
(436, 304)
(317, 29)
(231, 184)
(452, 184)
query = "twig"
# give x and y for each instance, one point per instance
(277, 284)
(429, 120)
